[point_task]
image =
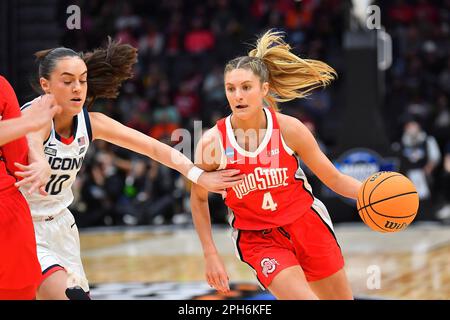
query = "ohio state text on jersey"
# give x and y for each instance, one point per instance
(275, 190)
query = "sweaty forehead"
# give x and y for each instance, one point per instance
(237, 76)
(70, 65)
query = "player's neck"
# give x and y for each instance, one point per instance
(257, 122)
(63, 125)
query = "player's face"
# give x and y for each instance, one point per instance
(245, 92)
(68, 83)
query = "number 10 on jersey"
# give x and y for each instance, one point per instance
(54, 186)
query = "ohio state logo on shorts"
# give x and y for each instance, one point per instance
(268, 266)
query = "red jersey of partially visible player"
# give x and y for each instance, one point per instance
(20, 270)
(275, 191)
(17, 150)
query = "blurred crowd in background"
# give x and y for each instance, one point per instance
(183, 47)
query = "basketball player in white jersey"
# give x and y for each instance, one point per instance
(72, 78)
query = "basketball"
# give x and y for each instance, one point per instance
(387, 201)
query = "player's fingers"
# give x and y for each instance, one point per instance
(234, 178)
(216, 281)
(42, 191)
(209, 280)
(212, 284)
(229, 184)
(34, 187)
(23, 182)
(229, 172)
(21, 166)
(223, 283)
(22, 173)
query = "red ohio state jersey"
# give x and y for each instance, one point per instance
(275, 191)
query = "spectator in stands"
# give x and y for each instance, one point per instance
(420, 156)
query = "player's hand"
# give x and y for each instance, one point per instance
(42, 111)
(216, 275)
(218, 181)
(37, 174)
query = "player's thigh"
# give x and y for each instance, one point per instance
(334, 287)
(291, 284)
(54, 287)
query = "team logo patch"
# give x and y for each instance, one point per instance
(268, 266)
(50, 151)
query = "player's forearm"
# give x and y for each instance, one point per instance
(172, 158)
(138, 142)
(345, 186)
(35, 148)
(13, 129)
(202, 223)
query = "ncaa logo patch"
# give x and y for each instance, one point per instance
(229, 152)
(268, 266)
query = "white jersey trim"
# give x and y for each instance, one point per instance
(263, 144)
(323, 212)
(285, 146)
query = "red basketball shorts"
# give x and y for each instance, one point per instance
(20, 271)
(309, 242)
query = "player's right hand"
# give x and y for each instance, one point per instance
(42, 111)
(216, 275)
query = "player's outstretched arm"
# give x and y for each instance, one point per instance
(13, 129)
(309, 151)
(110, 130)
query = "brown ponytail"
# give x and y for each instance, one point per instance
(107, 68)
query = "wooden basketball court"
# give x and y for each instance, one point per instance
(412, 264)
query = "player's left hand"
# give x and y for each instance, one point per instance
(37, 174)
(218, 181)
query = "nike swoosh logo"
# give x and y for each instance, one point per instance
(234, 161)
(51, 144)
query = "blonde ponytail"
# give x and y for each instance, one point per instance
(288, 75)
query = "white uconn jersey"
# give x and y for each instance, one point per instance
(65, 161)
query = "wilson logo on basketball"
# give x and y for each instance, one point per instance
(268, 266)
(395, 225)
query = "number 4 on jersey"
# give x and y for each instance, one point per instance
(268, 203)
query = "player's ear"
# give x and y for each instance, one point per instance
(265, 88)
(45, 85)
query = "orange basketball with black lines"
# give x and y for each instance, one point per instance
(387, 201)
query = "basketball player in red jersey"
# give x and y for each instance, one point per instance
(19, 266)
(281, 230)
